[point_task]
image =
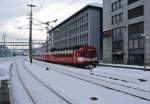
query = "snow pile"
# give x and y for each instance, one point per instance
(126, 66)
(4, 71)
(4, 74)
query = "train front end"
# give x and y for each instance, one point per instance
(87, 56)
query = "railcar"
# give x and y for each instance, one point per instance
(82, 56)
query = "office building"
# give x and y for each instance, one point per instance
(126, 31)
(82, 28)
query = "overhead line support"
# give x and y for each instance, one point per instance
(30, 32)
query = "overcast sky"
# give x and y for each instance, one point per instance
(13, 13)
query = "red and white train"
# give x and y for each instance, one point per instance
(83, 56)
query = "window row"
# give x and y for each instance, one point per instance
(72, 32)
(117, 18)
(72, 41)
(132, 1)
(79, 29)
(117, 46)
(78, 20)
(136, 12)
(136, 43)
(136, 28)
(117, 34)
(117, 5)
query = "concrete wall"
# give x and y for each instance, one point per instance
(107, 50)
(107, 41)
(94, 29)
(147, 29)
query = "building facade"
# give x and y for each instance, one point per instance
(126, 31)
(82, 28)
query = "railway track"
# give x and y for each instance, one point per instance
(106, 75)
(136, 92)
(125, 67)
(15, 79)
(57, 93)
(28, 92)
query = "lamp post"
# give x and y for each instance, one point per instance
(145, 37)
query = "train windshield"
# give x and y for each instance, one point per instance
(89, 54)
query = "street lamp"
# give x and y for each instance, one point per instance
(145, 37)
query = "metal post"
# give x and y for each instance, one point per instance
(47, 39)
(144, 52)
(145, 37)
(30, 32)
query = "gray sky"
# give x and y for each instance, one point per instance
(13, 13)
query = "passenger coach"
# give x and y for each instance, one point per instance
(81, 56)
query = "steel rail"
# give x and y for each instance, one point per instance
(108, 87)
(28, 92)
(48, 87)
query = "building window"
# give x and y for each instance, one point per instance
(117, 18)
(141, 43)
(117, 46)
(116, 5)
(136, 12)
(86, 17)
(136, 43)
(136, 28)
(132, 1)
(117, 34)
(131, 44)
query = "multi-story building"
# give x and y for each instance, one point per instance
(82, 28)
(126, 31)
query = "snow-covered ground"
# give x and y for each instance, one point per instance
(120, 75)
(77, 91)
(4, 67)
(72, 88)
(123, 65)
(121, 83)
(18, 90)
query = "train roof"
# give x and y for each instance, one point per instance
(71, 48)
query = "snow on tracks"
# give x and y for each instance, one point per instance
(18, 92)
(42, 93)
(139, 93)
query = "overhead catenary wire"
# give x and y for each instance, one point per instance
(41, 6)
(57, 10)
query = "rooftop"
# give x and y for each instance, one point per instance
(91, 5)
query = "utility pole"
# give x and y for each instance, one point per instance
(30, 32)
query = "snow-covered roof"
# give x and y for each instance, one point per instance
(96, 4)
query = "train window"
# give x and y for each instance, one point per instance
(88, 54)
(65, 54)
